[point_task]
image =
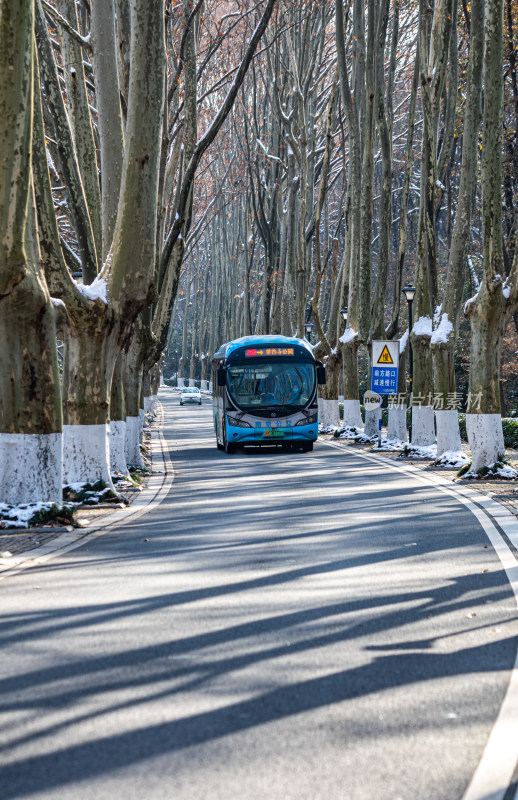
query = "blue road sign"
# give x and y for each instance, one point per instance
(384, 380)
(385, 362)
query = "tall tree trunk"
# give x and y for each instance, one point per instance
(80, 120)
(349, 339)
(118, 421)
(125, 283)
(489, 311)
(110, 116)
(30, 403)
(434, 48)
(86, 398)
(132, 358)
(444, 337)
(183, 357)
(78, 205)
(194, 341)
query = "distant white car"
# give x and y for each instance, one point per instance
(190, 394)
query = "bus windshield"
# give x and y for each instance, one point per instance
(276, 385)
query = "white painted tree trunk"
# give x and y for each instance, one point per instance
(210, 387)
(149, 404)
(396, 429)
(192, 382)
(328, 413)
(371, 422)
(142, 419)
(31, 468)
(448, 434)
(117, 447)
(86, 454)
(423, 429)
(180, 382)
(486, 439)
(352, 414)
(132, 442)
(204, 386)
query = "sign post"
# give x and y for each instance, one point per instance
(384, 371)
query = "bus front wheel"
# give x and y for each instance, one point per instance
(230, 448)
(307, 447)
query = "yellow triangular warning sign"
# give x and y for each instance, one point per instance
(385, 357)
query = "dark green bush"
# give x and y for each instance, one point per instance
(63, 515)
(510, 427)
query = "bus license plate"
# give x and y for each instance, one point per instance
(274, 433)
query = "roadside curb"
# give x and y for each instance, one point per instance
(158, 486)
(497, 771)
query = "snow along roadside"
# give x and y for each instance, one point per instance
(158, 486)
(496, 770)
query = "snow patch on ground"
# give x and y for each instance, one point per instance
(453, 458)
(357, 434)
(390, 445)
(89, 494)
(326, 428)
(419, 451)
(121, 481)
(20, 516)
(498, 470)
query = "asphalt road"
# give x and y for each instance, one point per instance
(289, 626)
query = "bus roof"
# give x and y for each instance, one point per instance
(257, 341)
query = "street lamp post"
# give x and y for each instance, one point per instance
(409, 292)
(308, 327)
(343, 314)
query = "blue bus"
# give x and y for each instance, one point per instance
(264, 392)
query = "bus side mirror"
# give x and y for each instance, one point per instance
(222, 377)
(321, 374)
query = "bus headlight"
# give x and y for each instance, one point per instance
(308, 420)
(238, 423)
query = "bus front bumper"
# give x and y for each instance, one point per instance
(298, 433)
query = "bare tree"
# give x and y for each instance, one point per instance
(489, 311)
(30, 402)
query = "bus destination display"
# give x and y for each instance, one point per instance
(269, 351)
